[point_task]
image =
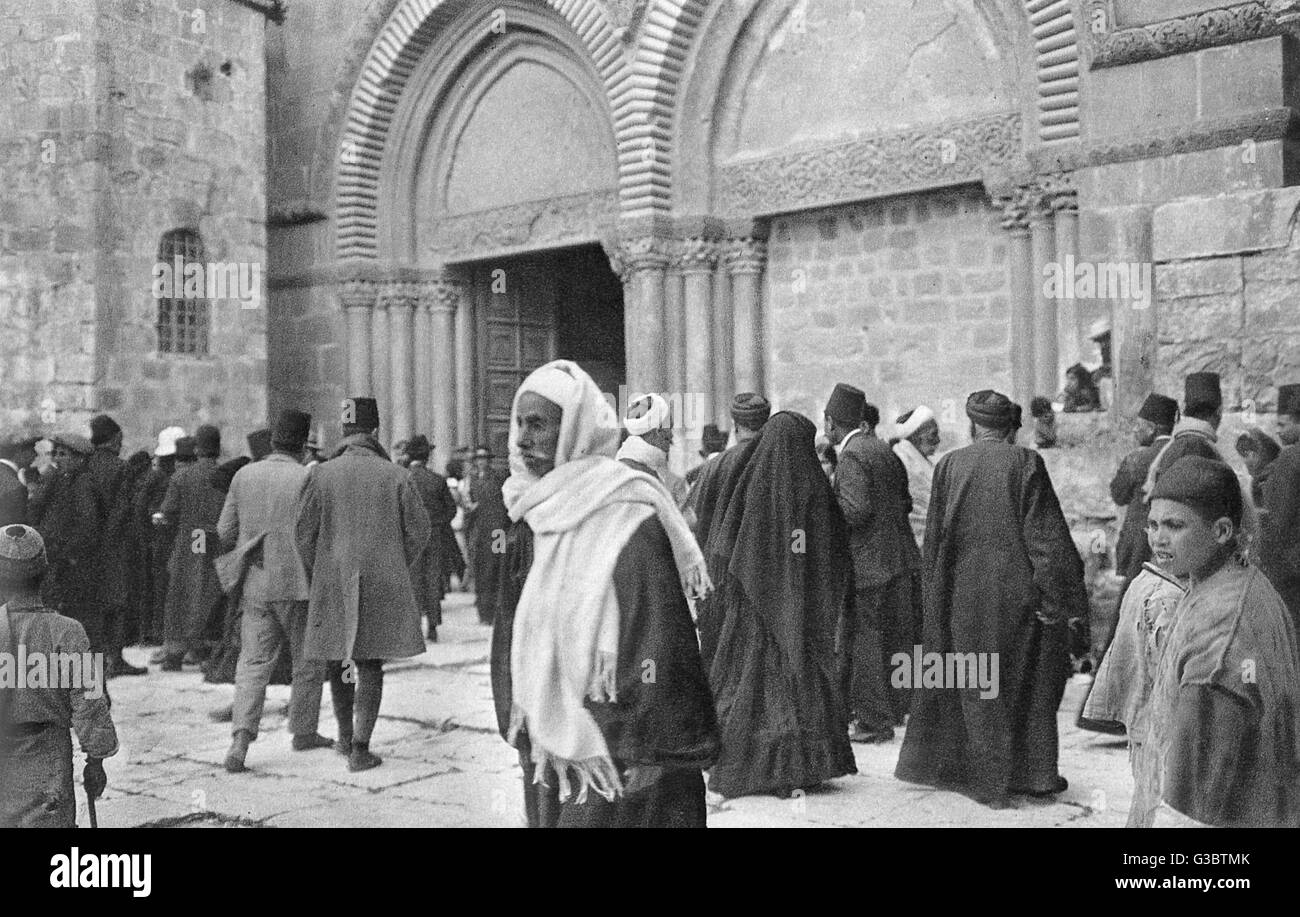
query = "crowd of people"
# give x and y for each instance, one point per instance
(791, 595)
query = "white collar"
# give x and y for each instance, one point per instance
(847, 436)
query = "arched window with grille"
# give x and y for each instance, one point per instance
(183, 321)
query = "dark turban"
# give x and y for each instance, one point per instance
(750, 410)
(990, 409)
(102, 429)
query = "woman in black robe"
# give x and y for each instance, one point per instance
(779, 558)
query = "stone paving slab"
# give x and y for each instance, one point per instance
(446, 766)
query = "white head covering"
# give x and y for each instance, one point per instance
(918, 418)
(589, 425)
(659, 417)
(167, 441)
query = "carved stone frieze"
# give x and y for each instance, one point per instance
(1113, 47)
(1260, 126)
(531, 224)
(884, 164)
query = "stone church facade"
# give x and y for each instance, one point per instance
(687, 196)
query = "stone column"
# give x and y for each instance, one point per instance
(358, 299)
(1043, 242)
(674, 325)
(641, 264)
(1024, 290)
(1134, 325)
(723, 348)
(465, 369)
(400, 298)
(445, 293)
(423, 364)
(698, 256)
(1065, 207)
(744, 261)
(380, 376)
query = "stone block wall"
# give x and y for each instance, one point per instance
(48, 164)
(906, 298)
(132, 118)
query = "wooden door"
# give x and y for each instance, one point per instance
(517, 328)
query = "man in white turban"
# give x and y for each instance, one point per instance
(915, 441)
(649, 423)
(596, 671)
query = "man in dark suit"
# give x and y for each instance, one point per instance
(1153, 429)
(16, 453)
(871, 488)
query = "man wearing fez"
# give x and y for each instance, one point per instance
(193, 504)
(260, 444)
(257, 525)
(487, 525)
(439, 561)
(16, 455)
(37, 722)
(1279, 543)
(360, 530)
(1004, 582)
(1153, 430)
(1227, 687)
(69, 521)
(1198, 431)
(712, 443)
(107, 473)
(871, 489)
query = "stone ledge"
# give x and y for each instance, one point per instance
(1225, 225)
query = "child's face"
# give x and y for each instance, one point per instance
(1182, 542)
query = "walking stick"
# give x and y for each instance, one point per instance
(90, 807)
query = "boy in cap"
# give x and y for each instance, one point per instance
(36, 758)
(1223, 722)
(268, 581)
(360, 530)
(871, 488)
(1279, 542)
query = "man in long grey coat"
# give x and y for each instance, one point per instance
(258, 526)
(361, 528)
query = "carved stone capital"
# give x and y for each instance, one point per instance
(1017, 207)
(630, 256)
(442, 293)
(399, 294)
(744, 256)
(358, 294)
(696, 255)
(1059, 192)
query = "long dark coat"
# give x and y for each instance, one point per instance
(107, 474)
(439, 561)
(360, 530)
(871, 487)
(1126, 489)
(13, 498)
(157, 543)
(193, 590)
(488, 519)
(1279, 543)
(68, 520)
(1002, 575)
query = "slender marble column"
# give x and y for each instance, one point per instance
(423, 365)
(446, 294)
(674, 326)
(698, 257)
(1068, 317)
(641, 263)
(400, 299)
(380, 370)
(722, 357)
(358, 299)
(745, 259)
(1015, 219)
(1043, 244)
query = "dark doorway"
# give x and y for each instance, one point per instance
(531, 309)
